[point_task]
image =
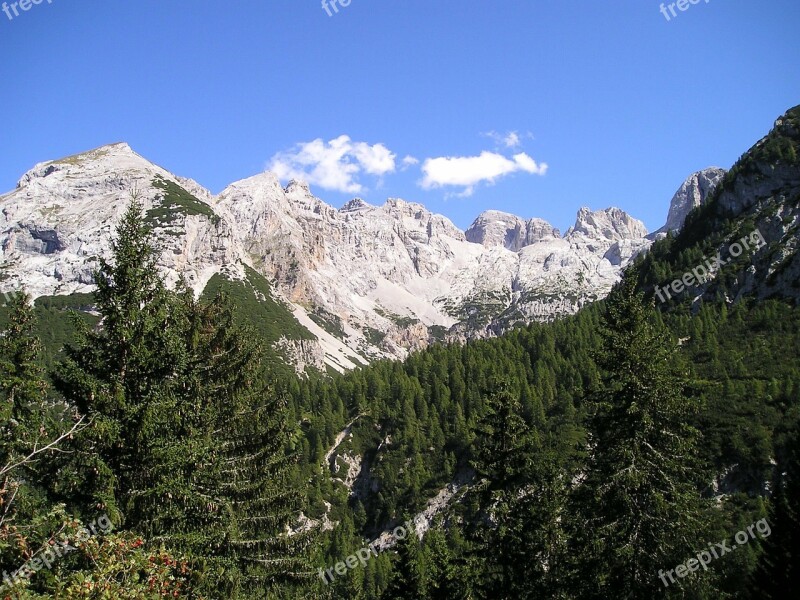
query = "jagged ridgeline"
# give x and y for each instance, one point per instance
(761, 193)
(368, 282)
(285, 340)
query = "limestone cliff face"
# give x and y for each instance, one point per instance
(495, 228)
(749, 222)
(303, 354)
(693, 193)
(763, 190)
(59, 220)
(367, 281)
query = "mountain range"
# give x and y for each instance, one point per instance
(360, 283)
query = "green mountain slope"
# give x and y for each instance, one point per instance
(735, 337)
(256, 306)
(759, 198)
(54, 321)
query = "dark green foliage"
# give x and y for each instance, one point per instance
(29, 421)
(411, 575)
(779, 569)
(776, 149)
(32, 429)
(188, 443)
(638, 508)
(125, 377)
(583, 456)
(329, 322)
(270, 320)
(174, 202)
(54, 323)
(515, 535)
(374, 336)
(21, 376)
(763, 184)
(740, 366)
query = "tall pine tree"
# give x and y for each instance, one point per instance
(516, 533)
(188, 444)
(638, 509)
(779, 571)
(32, 429)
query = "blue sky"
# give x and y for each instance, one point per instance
(619, 103)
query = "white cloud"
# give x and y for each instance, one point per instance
(511, 140)
(468, 171)
(376, 160)
(333, 165)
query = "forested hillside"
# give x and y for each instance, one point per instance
(726, 348)
(424, 420)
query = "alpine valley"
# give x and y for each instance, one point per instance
(410, 412)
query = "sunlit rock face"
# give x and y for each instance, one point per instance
(368, 281)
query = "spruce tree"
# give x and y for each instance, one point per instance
(32, 429)
(638, 511)
(126, 376)
(779, 570)
(441, 547)
(188, 444)
(22, 390)
(21, 375)
(503, 458)
(516, 536)
(410, 578)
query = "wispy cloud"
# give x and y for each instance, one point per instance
(334, 165)
(408, 162)
(468, 171)
(511, 140)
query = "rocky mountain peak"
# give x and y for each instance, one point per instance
(116, 158)
(298, 186)
(263, 187)
(610, 224)
(539, 229)
(364, 280)
(398, 206)
(354, 205)
(692, 193)
(496, 228)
